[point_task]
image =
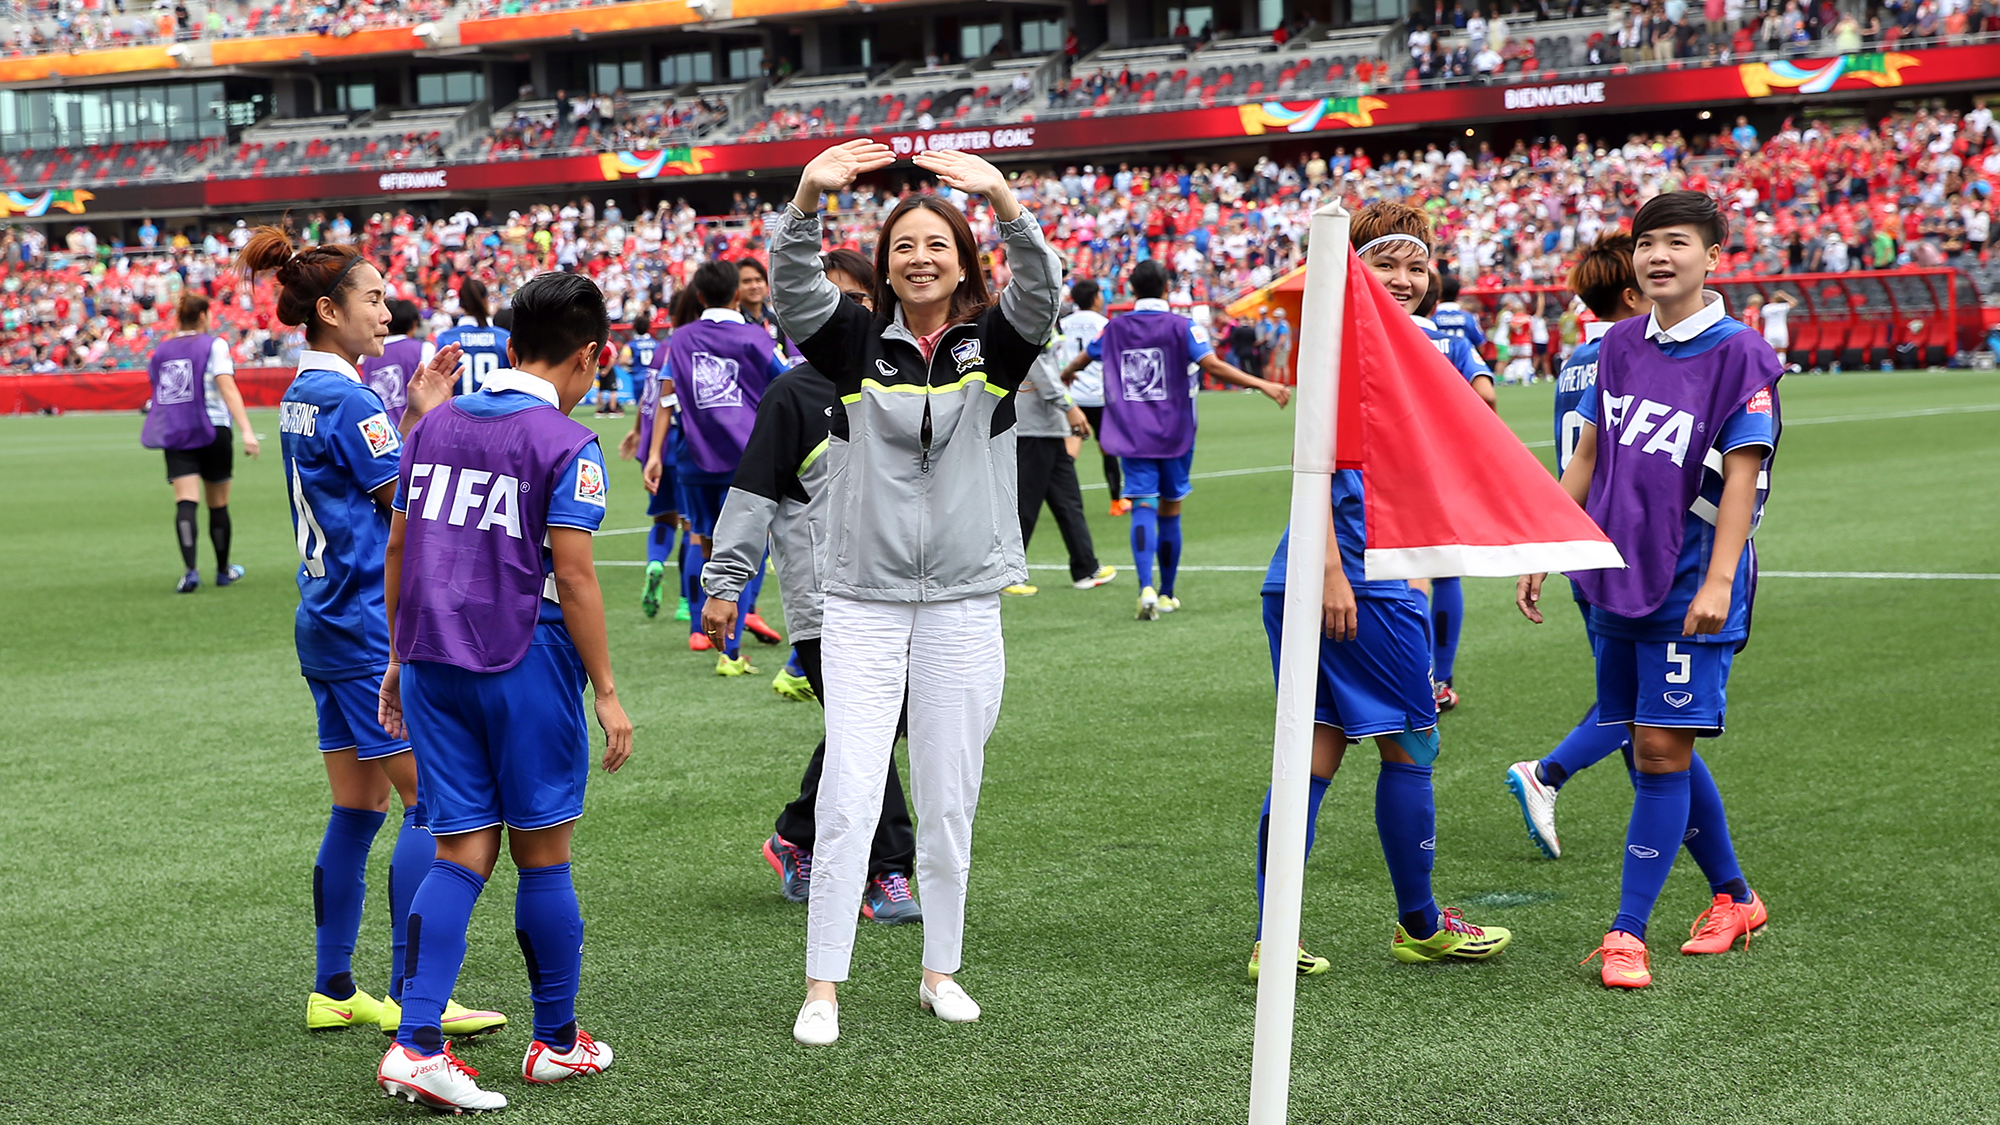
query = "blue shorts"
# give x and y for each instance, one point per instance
(701, 500)
(1672, 684)
(348, 711)
(666, 501)
(1157, 478)
(1375, 685)
(500, 747)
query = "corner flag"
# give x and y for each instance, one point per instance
(1451, 491)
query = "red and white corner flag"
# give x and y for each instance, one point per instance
(1451, 491)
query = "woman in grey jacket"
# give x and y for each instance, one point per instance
(923, 532)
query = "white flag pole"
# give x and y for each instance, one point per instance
(1322, 319)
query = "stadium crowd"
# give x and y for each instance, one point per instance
(41, 27)
(1912, 189)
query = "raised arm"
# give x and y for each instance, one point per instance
(802, 298)
(1031, 301)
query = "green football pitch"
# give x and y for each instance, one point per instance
(163, 805)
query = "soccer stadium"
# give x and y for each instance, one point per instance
(640, 416)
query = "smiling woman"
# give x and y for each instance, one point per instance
(925, 533)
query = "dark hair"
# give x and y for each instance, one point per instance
(853, 263)
(402, 317)
(752, 264)
(1149, 279)
(1084, 293)
(970, 298)
(1448, 286)
(555, 314)
(686, 307)
(715, 283)
(504, 320)
(642, 321)
(472, 298)
(1683, 208)
(303, 277)
(1428, 303)
(1604, 273)
(192, 308)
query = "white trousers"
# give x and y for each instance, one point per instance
(951, 656)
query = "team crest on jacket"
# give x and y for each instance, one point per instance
(590, 482)
(965, 354)
(379, 434)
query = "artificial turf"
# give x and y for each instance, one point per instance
(163, 805)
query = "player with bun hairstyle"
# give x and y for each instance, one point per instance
(483, 342)
(194, 401)
(1603, 280)
(340, 452)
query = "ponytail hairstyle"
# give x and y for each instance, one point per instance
(192, 308)
(305, 277)
(472, 298)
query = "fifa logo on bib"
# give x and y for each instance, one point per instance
(1142, 374)
(479, 498)
(176, 383)
(715, 383)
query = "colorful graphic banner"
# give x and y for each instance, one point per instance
(16, 204)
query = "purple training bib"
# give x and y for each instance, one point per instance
(476, 497)
(179, 418)
(720, 369)
(1148, 407)
(389, 374)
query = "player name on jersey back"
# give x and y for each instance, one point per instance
(298, 418)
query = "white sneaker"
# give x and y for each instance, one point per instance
(1149, 604)
(439, 1081)
(1104, 574)
(818, 1024)
(949, 1003)
(543, 1064)
(1538, 807)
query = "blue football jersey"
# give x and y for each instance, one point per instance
(1457, 349)
(1350, 529)
(643, 348)
(1755, 423)
(485, 353)
(1574, 384)
(1458, 322)
(339, 447)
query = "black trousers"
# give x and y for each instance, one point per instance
(1112, 479)
(1048, 473)
(894, 849)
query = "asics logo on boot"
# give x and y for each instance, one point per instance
(1642, 852)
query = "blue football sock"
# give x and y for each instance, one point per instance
(550, 929)
(694, 561)
(1406, 820)
(408, 864)
(1315, 793)
(660, 542)
(681, 561)
(746, 604)
(1447, 615)
(438, 918)
(792, 665)
(340, 884)
(1659, 818)
(1707, 835)
(1170, 552)
(756, 584)
(1580, 749)
(1145, 539)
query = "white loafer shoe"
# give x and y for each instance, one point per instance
(949, 1003)
(818, 1024)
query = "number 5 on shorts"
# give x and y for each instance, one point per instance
(1683, 663)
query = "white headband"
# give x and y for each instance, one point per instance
(1397, 237)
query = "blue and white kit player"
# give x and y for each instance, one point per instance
(1447, 607)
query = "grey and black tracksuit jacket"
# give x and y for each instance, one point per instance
(779, 491)
(922, 481)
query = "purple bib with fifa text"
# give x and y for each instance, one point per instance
(389, 374)
(720, 369)
(648, 377)
(1658, 418)
(179, 418)
(476, 496)
(1148, 405)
